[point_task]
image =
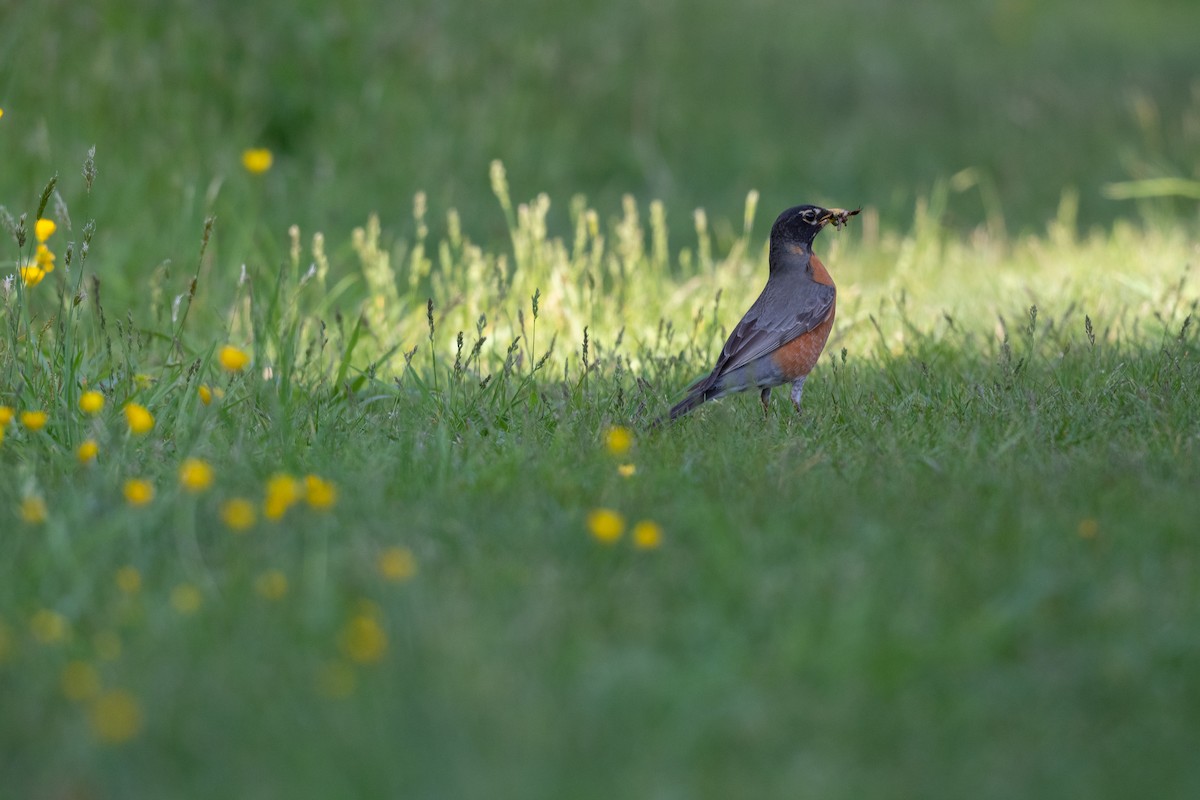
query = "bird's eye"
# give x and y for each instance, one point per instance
(809, 215)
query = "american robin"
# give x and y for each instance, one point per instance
(781, 337)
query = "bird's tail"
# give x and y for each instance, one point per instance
(688, 403)
(701, 391)
(716, 385)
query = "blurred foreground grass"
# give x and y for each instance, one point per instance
(968, 569)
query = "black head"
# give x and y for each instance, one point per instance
(799, 225)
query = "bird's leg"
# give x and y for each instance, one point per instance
(766, 400)
(798, 392)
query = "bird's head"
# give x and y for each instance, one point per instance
(799, 225)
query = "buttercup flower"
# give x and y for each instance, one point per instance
(319, 493)
(647, 535)
(205, 393)
(33, 510)
(31, 275)
(396, 564)
(139, 419)
(49, 627)
(34, 420)
(238, 514)
(257, 160)
(87, 451)
(186, 598)
(115, 716)
(336, 680)
(232, 359)
(195, 475)
(129, 580)
(91, 402)
(606, 525)
(6, 415)
(43, 229)
(283, 491)
(44, 258)
(272, 584)
(618, 440)
(626, 470)
(363, 639)
(138, 491)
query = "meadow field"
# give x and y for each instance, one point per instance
(334, 339)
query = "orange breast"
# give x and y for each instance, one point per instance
(800, 355)
(819, 273)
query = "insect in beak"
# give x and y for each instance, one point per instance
(839, 216)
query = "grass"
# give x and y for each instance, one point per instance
(967, 569)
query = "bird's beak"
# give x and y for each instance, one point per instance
(838, 216)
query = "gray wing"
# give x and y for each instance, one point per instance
(788, 307)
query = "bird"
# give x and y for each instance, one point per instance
(781, 336)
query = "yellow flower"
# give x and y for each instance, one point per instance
(396, 564)
(195, 475)
(363, 639)
(647, 535)
(115, 716)
(618, 440)
(138, 491)
(142, 381)
(283, 491)
(336, 680)
(79, 680)
(272, 584)
(6, 415)
(107, 645)
(606, 525)
(257, 160)
(205, 393)
(1, 112)
(44, 258)
(32, 274)
(139, 419)
(186, 598)
(626, 470)
(129, 580)
(319, 493)
(87, 451)
(48, 626)
(1088, 528)
(232, 359)
(43, 229)
(91, 402)
(33, 509)
(238, 514)
(34, 420)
